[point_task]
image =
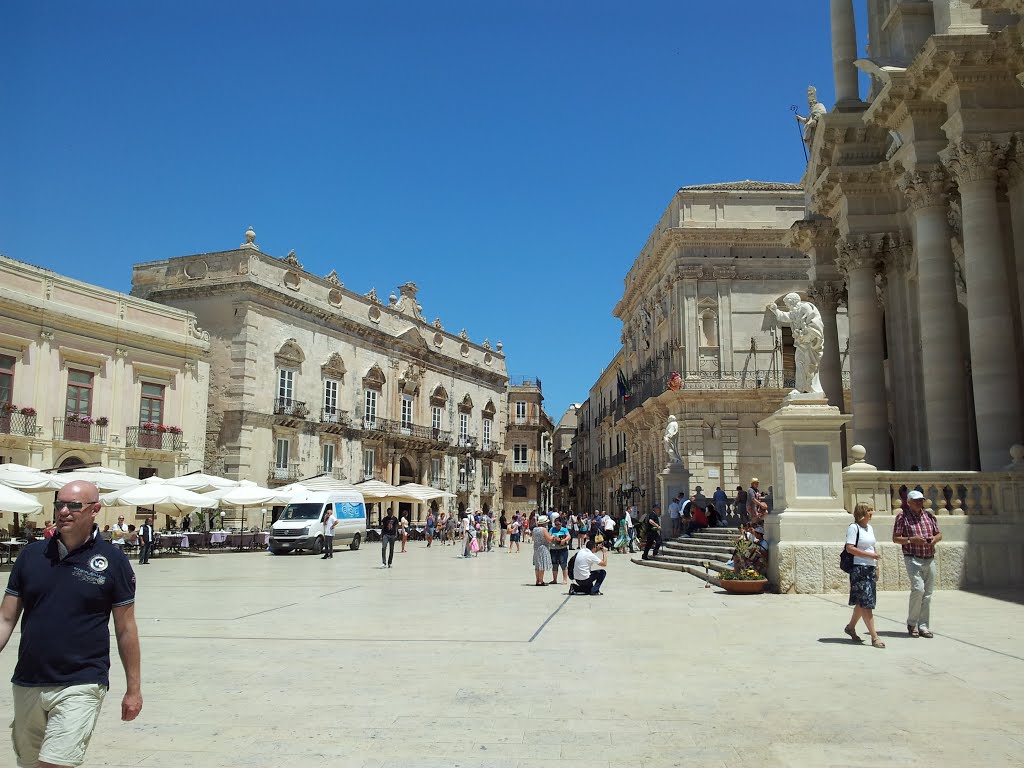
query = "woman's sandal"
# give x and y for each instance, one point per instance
(877, 643)
(912, 631)
(853, 634)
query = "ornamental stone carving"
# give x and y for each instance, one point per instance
(1014, 172)
(970, 160)
(827, 296)
(372, 296)
(925, 190)
(250, 239)
(437, 324)
(332, 278)
(899, 256)
(292, 259)
(195, 331)
(463, 335)
(408, 304)
(860, 252)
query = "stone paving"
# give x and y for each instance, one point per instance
(255, 660)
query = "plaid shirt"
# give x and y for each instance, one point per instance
(925, 525)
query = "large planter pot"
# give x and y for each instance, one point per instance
(738, 587)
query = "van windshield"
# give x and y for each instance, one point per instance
(301, 512)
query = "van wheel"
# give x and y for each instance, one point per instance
(275, 551)
(318, 546)
(355, 543)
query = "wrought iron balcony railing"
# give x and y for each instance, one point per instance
(16, 423)
(287, 473)
(154, 439)
(285, 406)
(79, 431)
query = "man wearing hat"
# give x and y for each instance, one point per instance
(756, 507)
(917, 531)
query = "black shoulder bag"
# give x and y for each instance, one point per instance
(845, 558)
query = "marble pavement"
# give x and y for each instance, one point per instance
(254, 660)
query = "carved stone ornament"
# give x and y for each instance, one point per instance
(463, 335)
(409, 381)
(372, 296)
(250, 239)
(332, 278)
(899, 257)
(374, 378)
(826, 296)
(499, 346)
(392, 299)
(489, 410)
(925, 190)
(437, 324)
(859, 252)
(292, 259)
(972, 160)
(407, 304)
(466, 406)
(439, 396)
(195, 331)
(486, 344)
(290, 355)
(334, 368)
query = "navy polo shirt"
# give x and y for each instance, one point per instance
(65, 638)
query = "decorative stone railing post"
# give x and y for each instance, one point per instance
(997, 402)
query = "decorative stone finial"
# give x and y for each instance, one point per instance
(857, 454)
(292, 259)
(463, 335)
(437, 324)
(392, 299)
(1016, 458)
(332, 278)
(372, 296)
(500, 345)
(486, 344)
(250, 238)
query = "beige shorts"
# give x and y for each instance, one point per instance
(54, 724)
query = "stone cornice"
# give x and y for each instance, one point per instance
(808, 235)
(848, 182)
(950, 61)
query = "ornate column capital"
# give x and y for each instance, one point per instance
(860, 252)
(1014, 171)
(977, 159)
(826, 296)
(928, 189)
(899, 256)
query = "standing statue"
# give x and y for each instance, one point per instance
(672, 441)
(808, 338)
(815, 110)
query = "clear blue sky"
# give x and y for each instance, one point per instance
(510, 158)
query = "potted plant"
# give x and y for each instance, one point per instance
(175, 430)
(745, 582)
(72, 418)
(102, 421)
(149, 426)
(28, 410)
(8, 408)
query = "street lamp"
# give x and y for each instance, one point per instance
(629, 492)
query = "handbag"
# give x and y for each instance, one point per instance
(845, 558)
(474, 546)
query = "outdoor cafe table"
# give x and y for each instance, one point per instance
(8, 549)
(251, 540)
(218, 537)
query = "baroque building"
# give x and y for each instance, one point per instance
(529, 474)
(694, 303)
(311, 377)
(89, 376)
(915, 206)
(564, 493)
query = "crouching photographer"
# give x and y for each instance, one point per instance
(589, 578)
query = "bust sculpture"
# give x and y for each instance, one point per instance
(672, 441)
(808, 338)
(815, 110)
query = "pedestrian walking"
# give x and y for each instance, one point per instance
(330, 521)
(492, 531)
(653, 532)
(431, 524)
(860, 543)
(146, 538)
(388, 534)
(559, 548)
(514, 533)
(917, 531)
(403, 531)
(502, 529)
(721, 502)
(541, 553)
(65, 590)
(630, 528)
(468, 534)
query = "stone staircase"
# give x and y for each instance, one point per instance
(713, 546)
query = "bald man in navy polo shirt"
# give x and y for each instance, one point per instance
(68, 587)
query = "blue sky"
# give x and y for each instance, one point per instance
(510, 158)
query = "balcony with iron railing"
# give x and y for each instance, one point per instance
(467, 441)
(528, 467)
(487, 488)
(154, 438)
(406, 429)
(80, 431)
(280, 474)
(618, 458)
(333, 471)
(525, 381)
(440, 483)
(334, 418)
(466, 485)
(17, 423)
(288, 411)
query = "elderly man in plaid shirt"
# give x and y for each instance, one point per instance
(918, 532)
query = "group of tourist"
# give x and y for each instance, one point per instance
(917, 532)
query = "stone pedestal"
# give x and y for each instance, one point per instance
(673, 479)
(806, 529)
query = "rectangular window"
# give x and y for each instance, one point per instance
(79, 399)
(435, 418)
(6, 379)
(520, 454)
(152, 406)
(368, 463)
(285, 385)
(487, 434)
(370, 410)
(463, 426)
(406, 412)
(330, 397)
(328, 458)
(485, 473)
(282, 454)
(520, 411)
(435, 471)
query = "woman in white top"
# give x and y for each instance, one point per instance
(403, 531)
(860, 542)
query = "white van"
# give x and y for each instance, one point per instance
(299, 526)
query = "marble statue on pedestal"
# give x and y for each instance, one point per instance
(808, 338)
(815, 110)
(672, 441)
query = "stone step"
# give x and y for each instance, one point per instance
(723, 544)
(697, 562)
(707, 554)
(683, 568)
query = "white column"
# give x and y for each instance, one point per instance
(844, 51)
(858, 259)
(942, 359)
(1015, 193)
(826, 297)
(997, 395)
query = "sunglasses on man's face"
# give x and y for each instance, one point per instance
(73, 506)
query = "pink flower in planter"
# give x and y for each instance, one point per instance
(28, 410)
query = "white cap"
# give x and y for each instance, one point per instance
(915, 495)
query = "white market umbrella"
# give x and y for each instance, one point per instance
(13, 500)
(319, 483)
(201, 482)
(248, 494)
(158, 496)
(29, 479)
(425, 492)
(375, 490)
(104, 478)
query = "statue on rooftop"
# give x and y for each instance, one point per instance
(815, 110)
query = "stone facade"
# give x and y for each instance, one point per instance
(529, 476)
(562, 453)
(693, 303)
(310, 377)
(98, 377)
